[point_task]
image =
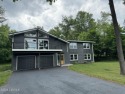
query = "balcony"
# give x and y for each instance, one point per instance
(31, 46)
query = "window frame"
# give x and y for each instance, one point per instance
(87, 54)
(74, 57)
(86, 46)
(30, 33)
(72, 46)
(30, 39)
(43, 40)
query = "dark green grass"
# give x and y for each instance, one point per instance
(5, 72)
(104, 70)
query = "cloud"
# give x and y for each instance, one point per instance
(27, 14)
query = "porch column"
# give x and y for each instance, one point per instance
(39, 61)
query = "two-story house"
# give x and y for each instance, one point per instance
(37, 49)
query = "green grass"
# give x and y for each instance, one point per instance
(104, 70)
(5, 72)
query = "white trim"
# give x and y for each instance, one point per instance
(12, 42)
(57, 59)
(93, 53)
(43, 40)
(87, 56)
(73, 57)
(86, 46)
(53, 60)
(29, 42)
(35, 62)
(16, 62)
(47, 50)
(81, 41)
(71, 45)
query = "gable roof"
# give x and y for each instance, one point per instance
(39, 29)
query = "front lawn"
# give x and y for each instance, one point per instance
(5, 72)
(104, 70)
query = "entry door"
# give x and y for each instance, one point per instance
(62, 59)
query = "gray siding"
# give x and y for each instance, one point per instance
(57, 44)
(81, 52)
(15, 55)
(18, 41)
(54, 43)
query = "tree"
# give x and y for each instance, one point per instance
(118, 38)
(57, 32)
(2, 19)
(5, 44)
(71, 27)
(123, 1)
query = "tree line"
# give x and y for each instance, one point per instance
(85, 28)
(117, 32)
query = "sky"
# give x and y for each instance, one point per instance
(27, 14)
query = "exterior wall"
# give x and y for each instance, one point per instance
(54, 43)
(57, 44)
(18, 41)
(81, 52)
(15, 55)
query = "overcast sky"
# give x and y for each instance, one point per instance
(26, 14)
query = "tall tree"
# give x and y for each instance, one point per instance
(118, 38)
(2, 19)
(5, 44)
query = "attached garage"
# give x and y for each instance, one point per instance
(26, 62)
(46, 61)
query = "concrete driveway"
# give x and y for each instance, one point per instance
(58, 81)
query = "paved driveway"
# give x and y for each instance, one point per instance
(58, 81)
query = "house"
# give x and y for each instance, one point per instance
(37, 49)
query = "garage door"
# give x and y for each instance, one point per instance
(46, 61)
(25, 62)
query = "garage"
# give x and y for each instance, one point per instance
(26, 62)
(46, 61)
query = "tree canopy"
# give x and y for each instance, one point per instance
(85, 27)
(5, 44)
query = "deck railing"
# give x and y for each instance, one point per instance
(32, 45)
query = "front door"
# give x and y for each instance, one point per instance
(62, 59)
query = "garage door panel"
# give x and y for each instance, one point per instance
(46, 61)
(26, 62)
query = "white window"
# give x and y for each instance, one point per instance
(73, 45)
(87, 57)
(30, 43)
(73, 57)
(86, 45)
(30, 34)
(43, 44)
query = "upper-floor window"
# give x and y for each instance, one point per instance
(86, 45)
(42, 35)
(73, 45)
(87, 57)
(43, 43)
(30, 34)
(73, 57)
(30, 43)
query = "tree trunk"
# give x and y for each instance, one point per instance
(118, 38)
